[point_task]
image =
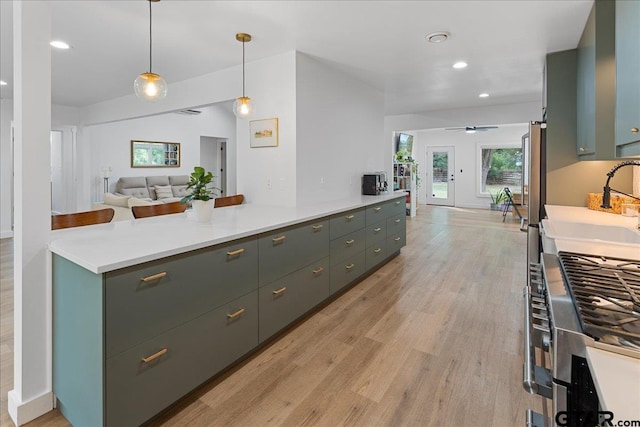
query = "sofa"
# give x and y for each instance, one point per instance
(143, 190)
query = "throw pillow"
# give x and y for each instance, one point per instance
(112, 199)
(141, 202)
(163, 192)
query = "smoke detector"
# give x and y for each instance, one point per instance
(437, 37)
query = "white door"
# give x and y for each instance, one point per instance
(440, 176)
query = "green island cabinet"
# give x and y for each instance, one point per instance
(627, 121)
(130, 342)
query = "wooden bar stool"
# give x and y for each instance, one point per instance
(78, 219)
(228, 201)
(159, 209)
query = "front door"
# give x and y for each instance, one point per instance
(440, 176)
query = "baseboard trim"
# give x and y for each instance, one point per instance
(24, 412)
(6, 234)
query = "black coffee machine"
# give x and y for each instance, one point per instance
(374, 183)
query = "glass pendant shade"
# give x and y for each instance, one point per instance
(243, 107)
(150, 87)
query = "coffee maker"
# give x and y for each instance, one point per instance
(374, 183)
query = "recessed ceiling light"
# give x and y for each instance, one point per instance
(58, 44)
(460, 64)
(483, 95)
(3, 83)
(437, 37)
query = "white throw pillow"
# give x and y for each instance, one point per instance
(163, 192)
(112, 199)
(141, 202)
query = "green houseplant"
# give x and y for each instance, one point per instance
(200, 192)
(497, 199)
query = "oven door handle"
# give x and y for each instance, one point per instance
(536, 379)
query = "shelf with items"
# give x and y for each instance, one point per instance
(404, 178)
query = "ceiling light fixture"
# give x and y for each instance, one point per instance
(470, 131)
(459, 65)
(59, 44)
(437, 37)
(3, 83)
(243, 107)
(483, 95)
(150, 86)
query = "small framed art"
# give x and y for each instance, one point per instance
(263, 133)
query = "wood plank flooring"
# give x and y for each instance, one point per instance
(433, 338)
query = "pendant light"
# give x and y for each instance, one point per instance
(243, 107)
(150, 86)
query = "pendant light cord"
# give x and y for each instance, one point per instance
(243, 68)
(150, 39)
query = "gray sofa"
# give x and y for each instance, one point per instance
(141, 190)
(144, 187)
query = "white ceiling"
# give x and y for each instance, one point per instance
(383, 42)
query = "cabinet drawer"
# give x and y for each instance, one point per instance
(347, 246)
(139, 306)
(376, 233)
(345, 223)
(283, 301)
(376, 213)
(375, 254)
(395, 243)
(397, 207)
(137, 390)
(287, 250)
(345, 272)
(397, 225)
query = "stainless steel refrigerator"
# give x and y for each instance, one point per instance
(534, 149)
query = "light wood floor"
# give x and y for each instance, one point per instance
(434, 338)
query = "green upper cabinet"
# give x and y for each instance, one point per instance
(627, 120)
(596, 84)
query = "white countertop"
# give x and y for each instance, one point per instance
(616, 377)
(106, 247)
(617, 381)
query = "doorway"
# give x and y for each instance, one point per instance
(213, 157)
(63, 163)
(440, 176)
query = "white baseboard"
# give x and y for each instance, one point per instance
(23, 412)
(5, 234)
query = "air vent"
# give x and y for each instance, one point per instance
(189, 112)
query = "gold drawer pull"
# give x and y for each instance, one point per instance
(397, 221)
(278, 239)
(350, 266)
(350, 242)
(377, 251)
(317, 227)
(154, 277)
(635, 130)
(349, 217)
(318, 270)
(235, 313)
(377, 209)
(375, 230)
(154, 356)
(397, 239)
(236, 252)
(397, 203)
(279, 291)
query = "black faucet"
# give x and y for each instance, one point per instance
(606, 194)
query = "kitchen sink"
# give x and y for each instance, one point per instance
(590, 232)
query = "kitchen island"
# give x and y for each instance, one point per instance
(616, 376)
(146, 310)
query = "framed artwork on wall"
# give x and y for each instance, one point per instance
(154, 154)
(263, 133)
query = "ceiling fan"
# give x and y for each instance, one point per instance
(473, 129)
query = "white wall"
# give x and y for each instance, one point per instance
(340, 132)
(467, 162)
(6, 167)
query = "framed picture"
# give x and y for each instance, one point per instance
(154, 154)
(263, 133)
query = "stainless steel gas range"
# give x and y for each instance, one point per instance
(574, 301)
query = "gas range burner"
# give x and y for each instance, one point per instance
(606, 294)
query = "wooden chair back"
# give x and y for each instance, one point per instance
(228, 201)
(81, 218)
(160, 209)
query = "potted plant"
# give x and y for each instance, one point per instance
(497, 199)
(200, 193)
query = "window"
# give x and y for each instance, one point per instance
(500, 166)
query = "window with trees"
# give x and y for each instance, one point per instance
(501, 166)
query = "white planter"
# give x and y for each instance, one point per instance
(203, 210)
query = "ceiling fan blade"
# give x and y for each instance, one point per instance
(485, 127)
(455, 128)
